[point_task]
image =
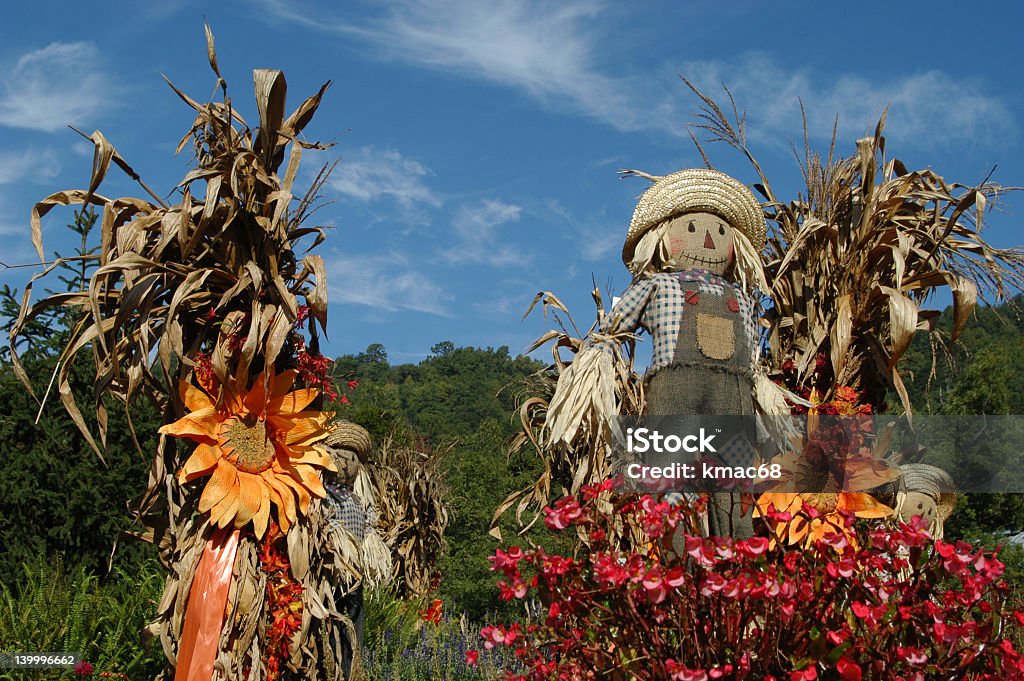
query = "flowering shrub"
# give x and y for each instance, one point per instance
(895, 605)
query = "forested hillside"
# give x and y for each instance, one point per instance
(981, 373)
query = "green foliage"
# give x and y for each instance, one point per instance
(983, 374)
(55, 609)
(444, 397)
(978, 516)
(55, 494)
(480, 478)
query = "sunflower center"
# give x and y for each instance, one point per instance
(825, 502)
(253, 450)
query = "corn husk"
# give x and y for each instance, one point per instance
(412, 516)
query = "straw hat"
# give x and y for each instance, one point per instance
(695, 190)
(933, 481)
(348, 435)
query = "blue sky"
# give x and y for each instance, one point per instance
(479, 141)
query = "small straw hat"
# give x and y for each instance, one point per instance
(348, 435)
(933, 481)
(694, 190)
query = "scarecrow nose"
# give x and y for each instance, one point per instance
(708, 241)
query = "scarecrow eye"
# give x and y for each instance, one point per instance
(721, 229)
(692, 227)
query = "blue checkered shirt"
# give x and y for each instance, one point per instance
(345, 511)
(657, 304)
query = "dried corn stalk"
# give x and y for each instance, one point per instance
(410, 489)
(213, 281)
(586, 459)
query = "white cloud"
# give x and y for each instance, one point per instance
(476, 229)
(592, 240)
(371, 174)
(384, 282)
(558, 54)
(551, 51)
(51, 87)
(926, 109)
(29, 164)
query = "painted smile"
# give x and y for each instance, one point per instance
(702, 261)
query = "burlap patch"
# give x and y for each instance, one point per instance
(715, 337)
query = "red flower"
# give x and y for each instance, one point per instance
(848, 670)
(472, 656)
(83, 668)
(433, 613)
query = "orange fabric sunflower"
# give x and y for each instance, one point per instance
(258, 446)
(837, 473)
(805, 530)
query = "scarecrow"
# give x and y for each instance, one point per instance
(692, 247)
(353, 517)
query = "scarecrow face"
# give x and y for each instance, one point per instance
(919, 503)
(347, 462)
(700, 240)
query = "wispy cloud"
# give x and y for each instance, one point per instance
(551, 51)
(385, 282)
(48, 88)
(925, 109)
(594, 240)
(30, 164)
(478, 235)
(370, 174)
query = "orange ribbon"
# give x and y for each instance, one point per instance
(207, 601)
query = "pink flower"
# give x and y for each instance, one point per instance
(680, 673)
(848, 670)
(713, 583)
(912, 655)
(499, 635)
(655, 585)
(753, 547)
(566, 511)
(844, 568)
(675, 577)
(608, 569)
